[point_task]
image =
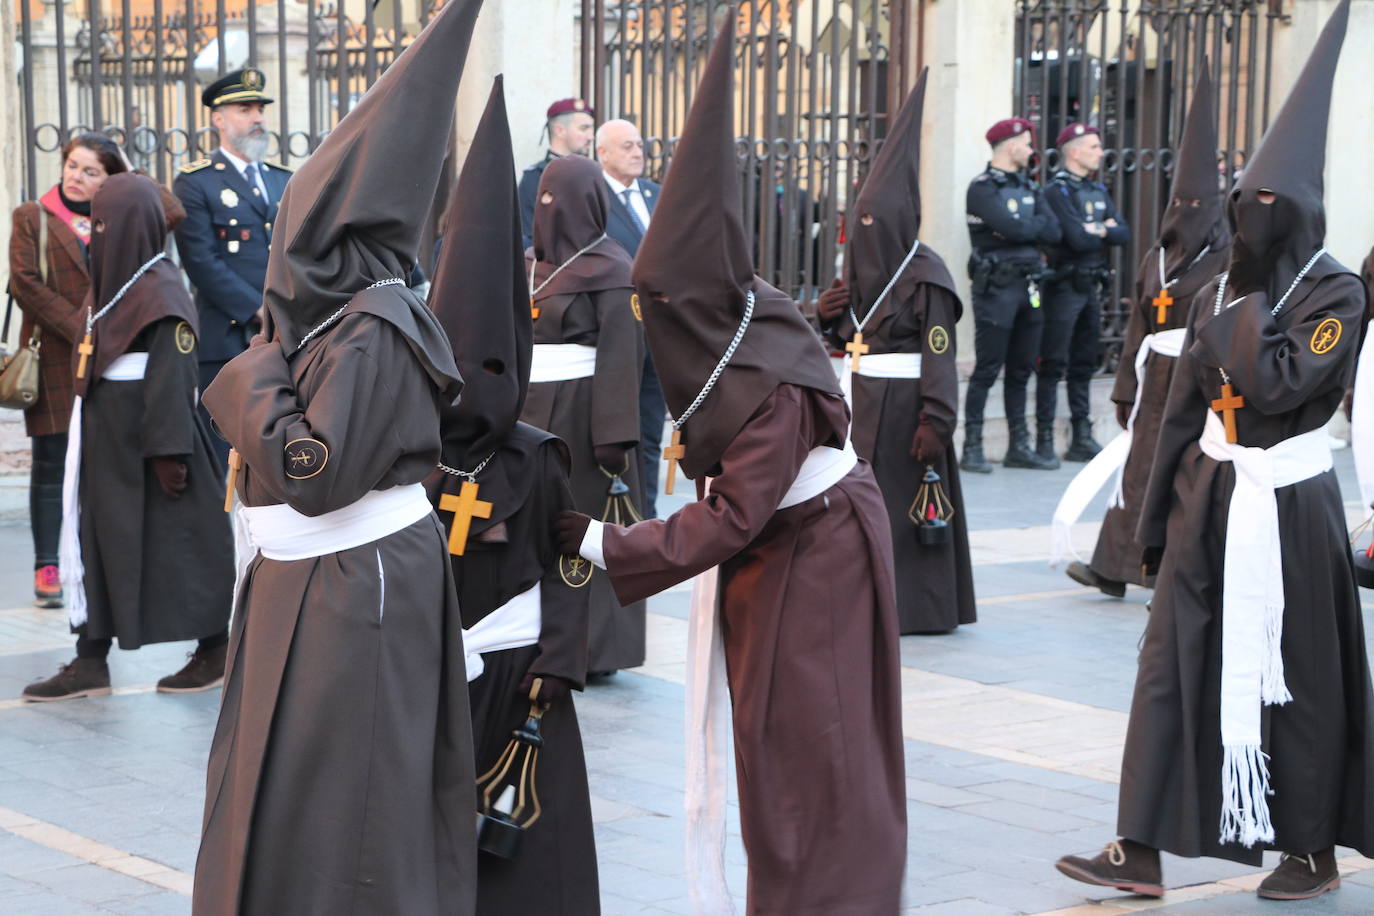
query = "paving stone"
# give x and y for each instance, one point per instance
(91, 884)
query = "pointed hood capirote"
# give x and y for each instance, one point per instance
(353, 214)
(886, 220)
(1277, 217)
(693, 274)
(479, 294)
(570, 213)
(1196, 217)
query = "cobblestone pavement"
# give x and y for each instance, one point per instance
(1014, 729)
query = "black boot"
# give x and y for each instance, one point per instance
(1084, 446)
(1124, 865)
(1084, 574)
(974, 460)
(1019, 454)
(1302, 877)
(83, 677)
(1044, 445)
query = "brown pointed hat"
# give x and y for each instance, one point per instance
(694, 276)
(1195, 218)
(1273, 240)
(479, 293)
(886, 220)
(352, 215)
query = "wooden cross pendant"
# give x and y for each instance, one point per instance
(1162, 303)
(674, 453)
(231, 479)
(856, 348)
(534, 309)
(465, 507)
(1228, 404)
(85, 348)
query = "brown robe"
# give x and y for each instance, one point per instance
(1117, 555)
(341, 773)
(1320, 745)
(602, 409)
(935, 583)
(811, 647)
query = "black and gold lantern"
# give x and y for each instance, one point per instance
(620, 508)
(508, 797)
(931, 511)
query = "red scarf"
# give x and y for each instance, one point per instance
(81, 225)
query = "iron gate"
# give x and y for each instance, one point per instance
(1129, 68)
(134, 69)
(813, 79)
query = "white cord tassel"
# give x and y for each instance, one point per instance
(1273, 687)
(1244, 787)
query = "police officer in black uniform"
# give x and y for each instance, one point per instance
(1073, 299)
(571, 126)
(1007, 222)
(231, 202)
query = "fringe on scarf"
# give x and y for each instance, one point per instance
(1244, 787)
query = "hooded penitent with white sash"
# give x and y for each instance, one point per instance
(1251, 725)
(341, 770)
(1192, 248)
(900, 373)
(821, 783)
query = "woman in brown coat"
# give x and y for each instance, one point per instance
(49, 281)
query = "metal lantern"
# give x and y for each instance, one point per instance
(508, 796)
(1364, 556)
(931, 511)
(620, 508)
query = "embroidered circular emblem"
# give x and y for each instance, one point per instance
(634, 307)
(228, 197)
(305, 458)
(186, 338)
(939, 339)
(1326, 336)
(252, 79)
(82, 225)
(1012, 204)
(575, 571)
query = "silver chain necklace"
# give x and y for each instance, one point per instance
(1221, 294)
(91, 319)
(469, 476)
(393, 281)
(1163, 285)
(859, 325)
(535, 290)
(720, 366)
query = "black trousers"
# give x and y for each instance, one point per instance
(100, 648)
(1006, 332)
(1071, 345)
(45, 496)
(208, 371)
(652, 411)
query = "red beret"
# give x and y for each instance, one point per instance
(1073, 132)
(1006, 129)
(567, 106)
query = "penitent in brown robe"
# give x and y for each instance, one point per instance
(593, 411)
(341, 773)
(811, 653)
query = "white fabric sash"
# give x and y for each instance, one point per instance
(562, 362)
(1109, 462)
(514, 624)
(279, 532)
(879, 365)
(708, 702)
(1252, 615)
(129, 367)
(1362, 421)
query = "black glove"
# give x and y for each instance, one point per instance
(1123, 414)
(832, 302)
(551, 688)
(569, 528)
(927, 445)
(1149, 561)
(611, 458)
(171, 475)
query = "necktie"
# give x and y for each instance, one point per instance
(634, 215)
(255, 181)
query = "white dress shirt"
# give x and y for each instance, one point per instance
(242, 166)
(636, 196)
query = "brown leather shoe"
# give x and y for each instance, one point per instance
(1302, 877)
(1122, 864)
(82, 677)
(204, 671)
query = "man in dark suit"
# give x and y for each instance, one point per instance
(231, 202)
(569, 124)
(620, 149)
